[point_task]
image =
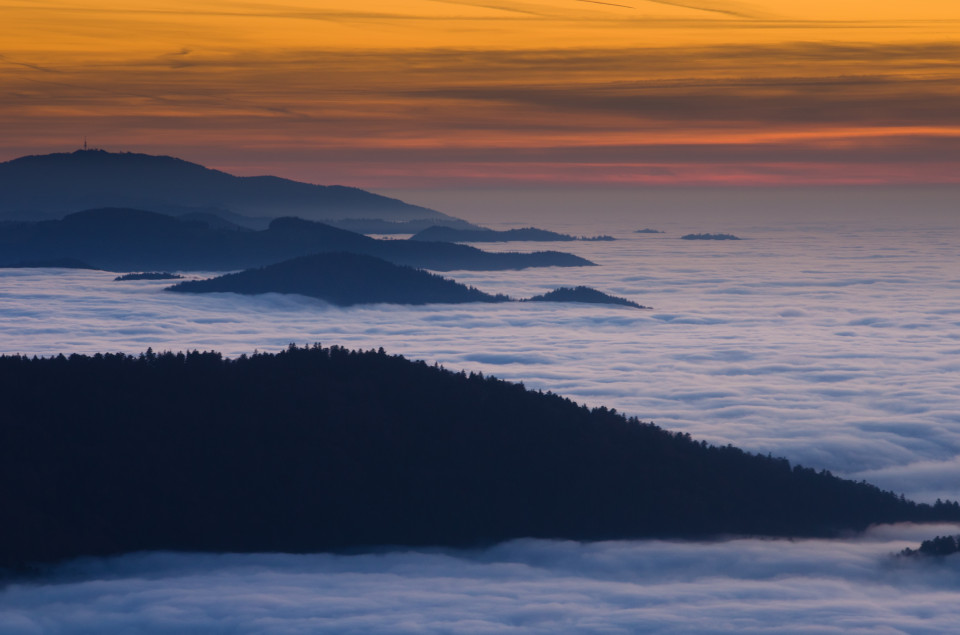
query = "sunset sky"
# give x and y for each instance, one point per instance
(446, 94)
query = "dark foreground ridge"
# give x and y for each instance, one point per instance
(316, 449)
(583, 294)
(128, 240)
(343, 279)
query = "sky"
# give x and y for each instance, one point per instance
(459, 94)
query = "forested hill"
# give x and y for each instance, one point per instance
(320, 449)
(343, 279)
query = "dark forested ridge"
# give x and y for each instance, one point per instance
(321, 449)
(51, 185)
(583, 294)
(130, 239)
(343, 279)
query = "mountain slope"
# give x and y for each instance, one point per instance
(51, 185)
(316, 449)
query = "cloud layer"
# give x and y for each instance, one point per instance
(526, 586)
(830, 338)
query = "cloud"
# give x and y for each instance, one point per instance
(528, 586)
(727, 111)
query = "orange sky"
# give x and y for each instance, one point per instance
(421, 94)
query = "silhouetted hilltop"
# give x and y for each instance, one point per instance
(936, 547)
(343, 279)
(320, 449)
(148, 275)
(51, 185)
(130, 240)
(346, 279)
(583, 294)
(647, 230)
(481, 235)
(709, 237)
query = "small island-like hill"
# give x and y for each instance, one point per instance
(938, 547)
(343, 279)
(710, 237)
(346, 279)
(583, 294)
(647, 230)
(148, 275)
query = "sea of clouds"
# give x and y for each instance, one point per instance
(523, 586)
(834, 343)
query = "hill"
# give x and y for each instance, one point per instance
(346, 279)
(320, 449)
(710, 237)
(132, 240)
(52, 185)
(343, 279)
(583, 294)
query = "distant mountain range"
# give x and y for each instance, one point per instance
(136, 240)
(52, 185)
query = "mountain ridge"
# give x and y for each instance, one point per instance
(45, 186)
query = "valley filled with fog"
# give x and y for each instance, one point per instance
(833, 342)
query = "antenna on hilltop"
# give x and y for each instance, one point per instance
(84, 142)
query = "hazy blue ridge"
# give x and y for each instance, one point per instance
(119, 239)
(318, 449)
(51, 185)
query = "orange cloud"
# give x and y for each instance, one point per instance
(442, 92)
